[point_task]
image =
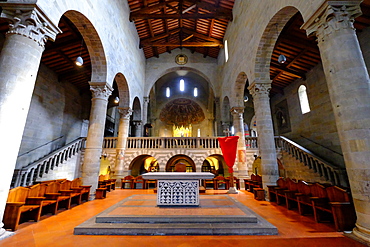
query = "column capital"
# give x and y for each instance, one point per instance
(125, 112)
(100, 90)
(237, 110)
(28, 20)
(332, 16)
(136, 122)
(260, 88)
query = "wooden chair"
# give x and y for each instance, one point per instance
(139, 180)
(236, 182)
(127, 180)
(148, 182)
(220, 180)
(19, 209)
(209, 182)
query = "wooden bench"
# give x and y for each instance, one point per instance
(254, 182)
(67, 189)
(85, 192)
(20, 209)
(337, 207)
(305, 202)
(53, 193)
(37, 192)
(281, 184)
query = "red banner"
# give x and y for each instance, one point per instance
(229, 146)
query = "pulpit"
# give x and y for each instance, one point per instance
(178, 188)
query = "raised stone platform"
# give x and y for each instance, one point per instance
(139, 215)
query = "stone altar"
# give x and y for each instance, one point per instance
(178, 188)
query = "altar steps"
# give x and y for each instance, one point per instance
(139, 215)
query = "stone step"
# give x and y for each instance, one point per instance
(176, 219)
(176, 229)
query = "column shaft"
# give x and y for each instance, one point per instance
(266, 141)
(237, 113)
(95, 135)
(124, 124)
(349, 89)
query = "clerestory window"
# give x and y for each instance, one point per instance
(303, 99)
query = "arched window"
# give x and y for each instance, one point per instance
(182, 85)
(168, 93)
(195, 92)
(226, 51)
(303, 99)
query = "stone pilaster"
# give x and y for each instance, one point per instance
(349, 89)
(94, 142)
(19, 62)
(137, 127)
(237, 113)
(124, 124)
(145, 113)
(218, 117)
(266, 142)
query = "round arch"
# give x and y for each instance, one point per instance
(93, 44)
(179, 70)
(180, 158)
(142, 164)
(225, 110)
(268, 40)
(123, 90)
(238, 93)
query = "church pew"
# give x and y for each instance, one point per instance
(18, 209)
(66, 189)
(281, 184)
(85, 192)
(254, 182)
(302, 190)
(337, 207)
(37, 192)
(305, 202)
(53, 193)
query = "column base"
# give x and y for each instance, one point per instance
(360, 234)
(232, 190)
(4, 234)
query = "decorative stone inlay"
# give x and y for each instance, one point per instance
(335, 16)
(101, 91)
(125, 112)
(173, 192)
(29, 21)
(178, 188)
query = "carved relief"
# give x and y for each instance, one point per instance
(31, 23)
(333, 19)
(125, 112)
(101, 91)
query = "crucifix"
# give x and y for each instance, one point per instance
(227, 132)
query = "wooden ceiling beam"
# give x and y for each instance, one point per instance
(184, 44)
(137, 16)
(288, 71)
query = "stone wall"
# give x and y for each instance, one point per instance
(55, 117)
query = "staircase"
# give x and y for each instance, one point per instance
(63, 161)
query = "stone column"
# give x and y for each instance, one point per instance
(19, 64)
(94, 141)
(124, 124)
(266, 140)
(219, 129)
(237, 113)
(145, 114)
(349, 89)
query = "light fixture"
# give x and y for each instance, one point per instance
(79, 61)
(281, 58)
(116, 100)
(245, 99)
(104, 155)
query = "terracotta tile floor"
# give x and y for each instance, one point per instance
(294, 230)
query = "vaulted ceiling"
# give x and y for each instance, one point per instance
(198, 25)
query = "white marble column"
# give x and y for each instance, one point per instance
(19, 64)
(237, 113)
(94, 141)
(349, 90)
(124, 124)
(266, 142)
